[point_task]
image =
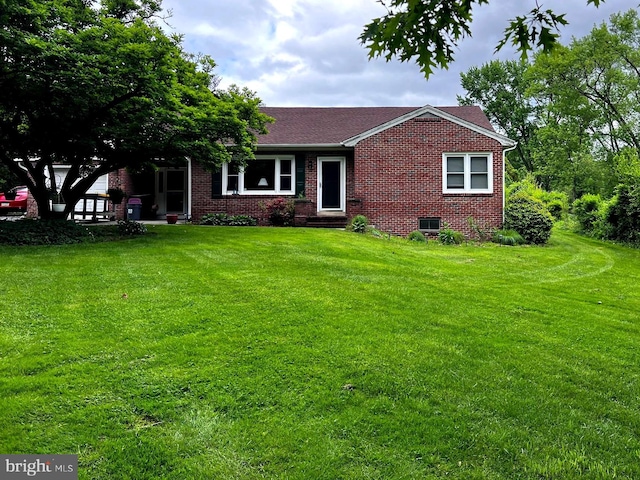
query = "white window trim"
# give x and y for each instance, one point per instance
(467, 173)
(277, 191)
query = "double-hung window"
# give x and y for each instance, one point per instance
(467, 173)
(264, 175)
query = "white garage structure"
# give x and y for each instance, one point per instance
(94, 205)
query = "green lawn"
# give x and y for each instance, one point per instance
(244, 353)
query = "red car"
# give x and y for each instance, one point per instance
(14, 200)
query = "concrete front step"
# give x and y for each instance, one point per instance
(327, 222)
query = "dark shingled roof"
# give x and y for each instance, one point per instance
(332, 126)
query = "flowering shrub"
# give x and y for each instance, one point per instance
(129, 228)
(230, 220)
(280, 211)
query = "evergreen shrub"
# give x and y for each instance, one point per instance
(529, 217)
(586, 209)
(417, 236)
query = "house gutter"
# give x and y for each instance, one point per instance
(504, 170)
(290, 146)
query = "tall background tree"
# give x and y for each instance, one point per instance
(428, 31)
(99, 86)
(591, 93)
(500, 89)
(7, 179)
(572, 110)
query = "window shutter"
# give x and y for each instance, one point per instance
(216, 184)
(300, 175)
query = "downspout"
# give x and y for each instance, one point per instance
(189, 189)
(504, 170)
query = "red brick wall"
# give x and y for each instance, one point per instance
(394, 178)
(398, 177)
(121, 179)
(202, 203)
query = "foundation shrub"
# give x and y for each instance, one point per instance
(130, 228)
(529, 217)
(507, 237)
(359, 224)
(417, 236)
(280, 212)
(448, 236)
(217, 219)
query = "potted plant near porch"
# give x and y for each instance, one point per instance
(116, 195)
(57, 202)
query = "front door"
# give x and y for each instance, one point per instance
(331, 184)
(171, 189)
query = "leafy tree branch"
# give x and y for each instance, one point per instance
(428, 31)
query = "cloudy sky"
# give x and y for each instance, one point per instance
(307, 53)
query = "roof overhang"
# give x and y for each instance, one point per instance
(428, 109)
(303, 146)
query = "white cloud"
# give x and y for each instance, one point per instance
(307, 52)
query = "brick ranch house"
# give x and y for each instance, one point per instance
(405, 168)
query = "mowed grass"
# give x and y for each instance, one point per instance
(246, 353)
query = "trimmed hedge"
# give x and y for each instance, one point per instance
(529, 217)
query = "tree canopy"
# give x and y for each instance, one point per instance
(574, 112)
(99, 86)
(591, 92)
(500, 88)
(428, 31)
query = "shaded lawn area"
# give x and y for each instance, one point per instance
(221, 352)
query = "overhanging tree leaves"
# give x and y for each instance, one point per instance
(428, 31)
(99, 86)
